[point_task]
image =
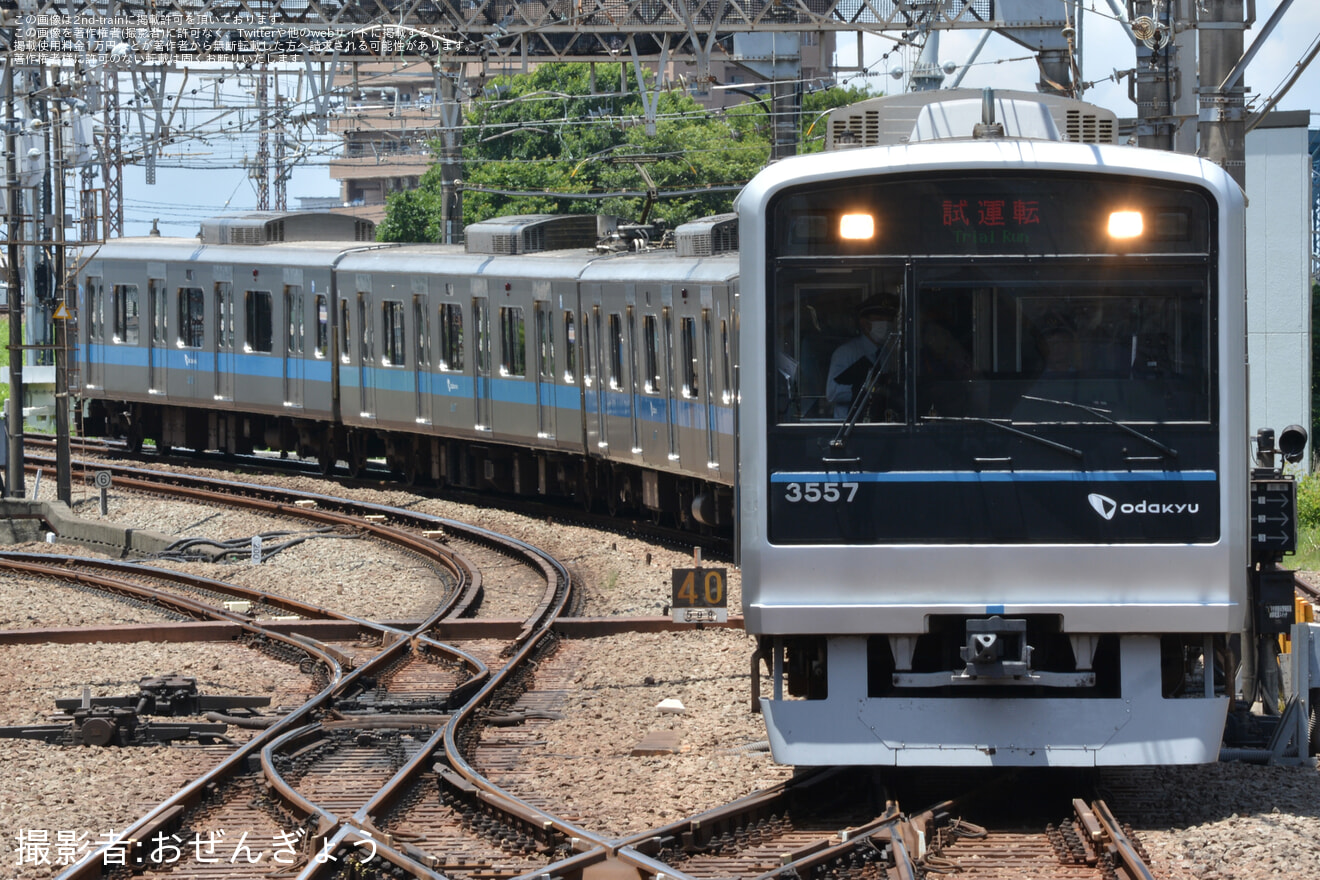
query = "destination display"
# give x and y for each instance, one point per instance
(1012, 214)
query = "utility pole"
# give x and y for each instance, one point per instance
(59, 296)
(14, 485)
(451, 152)
(1222, 118)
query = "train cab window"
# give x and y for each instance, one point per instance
(513, 342)
(570, 348)
(322, 326)
(616, 352)
(651, 354)
(192, 317)
(260, 328)
(688, 358)
(451, 336)
(125, 329)
(545, 340)
(829, 331)
(391, 317)
(1040, 350)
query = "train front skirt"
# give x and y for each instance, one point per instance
(1139, 728)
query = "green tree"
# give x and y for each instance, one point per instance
(555, 141)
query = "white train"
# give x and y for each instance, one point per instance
(529, 361)
(993, 456)
(984, 398)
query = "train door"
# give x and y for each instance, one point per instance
(482, 384)
(630, 379)
(294, 363)
(158, 308)
(688, 389)
(191, 336)
(667, 357)
(708, 387)
(422, 361)
(224, 338)
(546, 397)
(95, 351)
(366, 353)
(594, 374)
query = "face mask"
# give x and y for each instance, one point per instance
(879, 330)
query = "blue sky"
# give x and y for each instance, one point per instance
(181, 197)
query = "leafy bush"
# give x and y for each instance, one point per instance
(1308, 500)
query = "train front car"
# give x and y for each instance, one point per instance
(993, 458)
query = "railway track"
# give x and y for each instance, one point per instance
(396, 767)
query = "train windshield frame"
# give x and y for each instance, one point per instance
(994, 328)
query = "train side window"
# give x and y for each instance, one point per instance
(513, 342)
(421, 332)
(159, 310)
(545, 335)
(322, 326)
(192, 317)
(688, 356)
(570, 348)
(125, 329)
(345, 347)
(260, 331)
(651, 346)
(451, 336)
(616, 351)
(391, 316)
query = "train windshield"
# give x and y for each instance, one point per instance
(1022, 343)
(1033, 298)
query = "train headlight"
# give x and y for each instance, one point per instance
(1125, 224)
(857, 227)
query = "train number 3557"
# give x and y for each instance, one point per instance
(828, 492)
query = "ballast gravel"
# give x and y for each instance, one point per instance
(1214, 822)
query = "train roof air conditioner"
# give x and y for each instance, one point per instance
(533, 233)
(707, 236)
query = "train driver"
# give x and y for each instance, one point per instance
(852, 360)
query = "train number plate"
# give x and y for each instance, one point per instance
(701, 595)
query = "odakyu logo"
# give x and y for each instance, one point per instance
(1107, 507)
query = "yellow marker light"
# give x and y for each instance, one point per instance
(857, 227)
(1125, 224)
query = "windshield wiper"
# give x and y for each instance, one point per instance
(1075, 453)
(1104, 416)
(860, 401)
